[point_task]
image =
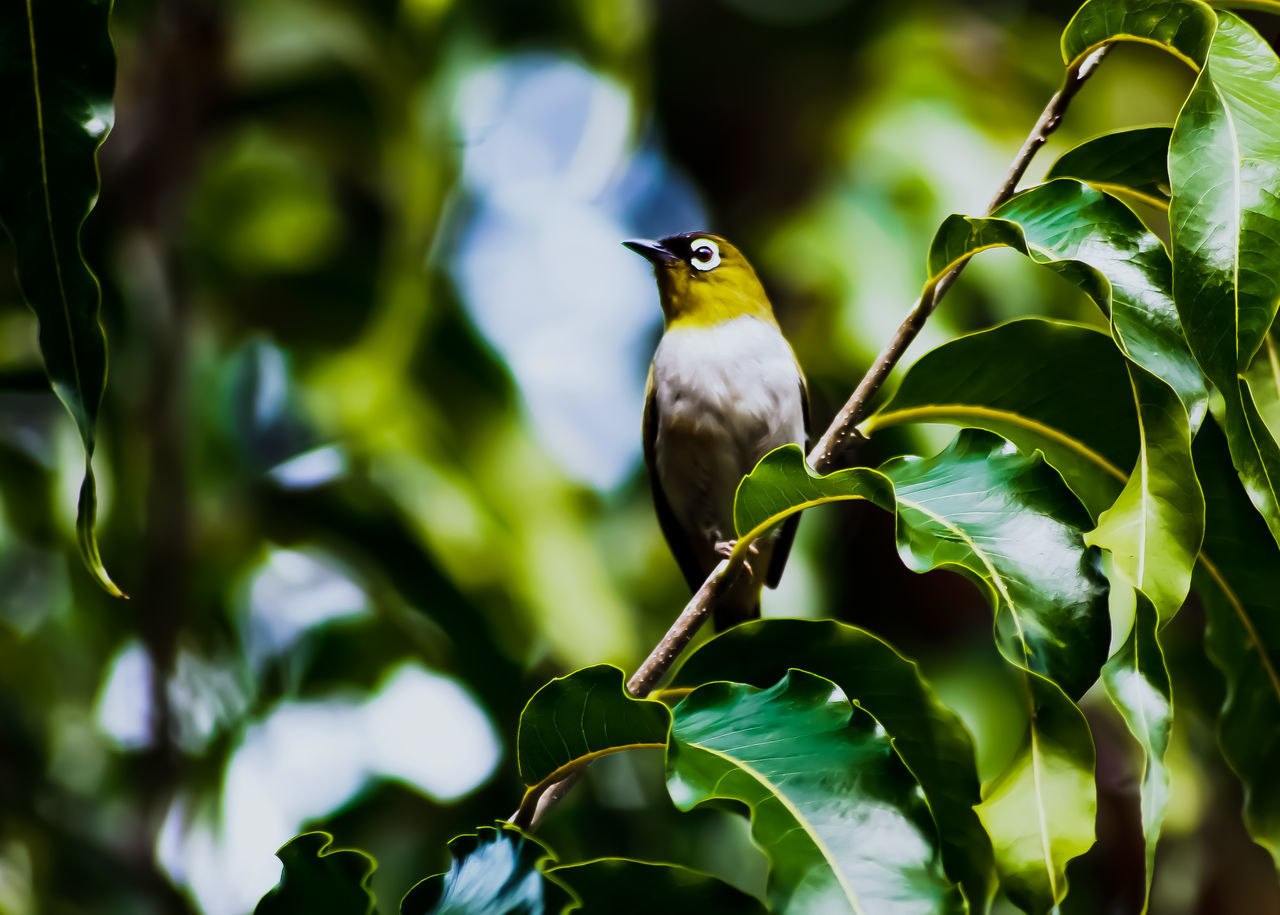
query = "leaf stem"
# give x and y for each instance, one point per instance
(842, 433)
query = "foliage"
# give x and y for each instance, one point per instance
(373, 491)
(61, 84)
(317, 878)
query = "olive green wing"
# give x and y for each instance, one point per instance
(677, 538)
(782, 546)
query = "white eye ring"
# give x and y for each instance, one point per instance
(705, 261)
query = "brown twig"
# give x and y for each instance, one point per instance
(842, 433)
(843, 429)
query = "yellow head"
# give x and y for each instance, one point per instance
(703, 280)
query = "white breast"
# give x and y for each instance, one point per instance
(726, 395)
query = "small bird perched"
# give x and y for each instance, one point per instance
(724, 389)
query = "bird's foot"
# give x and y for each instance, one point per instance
(725, 548)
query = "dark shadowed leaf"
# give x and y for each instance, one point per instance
(582, 716)
(842, 819)
(1224, 168)
(497, 871)
(622, 887)
(1045, 385)
(1129, 164)
(1239, 579)
(58, 82)
(930, 739)
(1137, 681)
(320, 879)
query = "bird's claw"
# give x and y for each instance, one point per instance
(725, 548)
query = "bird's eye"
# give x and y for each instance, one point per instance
(706, 254)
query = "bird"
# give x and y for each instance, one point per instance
(724, 389)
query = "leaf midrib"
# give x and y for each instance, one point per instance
(907, 414)
(1046, 846)
(801, 820)
(48, 211)
(1232, 598)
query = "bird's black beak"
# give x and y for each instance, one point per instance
(651, 251)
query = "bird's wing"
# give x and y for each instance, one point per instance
(782, 546)
(677, 538)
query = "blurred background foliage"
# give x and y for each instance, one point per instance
(370, 460)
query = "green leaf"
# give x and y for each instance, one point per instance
(1130, 164)
(1040, 809)
(782, 484)
(320, 880)
(1046, 386)
(1093, 240)
(929, 738)
(58, 84)
(1224, 167)
(841, 818)
(1006, 521)
(1263, 381)
(1239, 578)
(1184, 28)
(587, 714)
(1155, 527)
(623, 887)
(1097, 243)
(1137, 681)
(1052, 387)
(496, 871)
(1003, 519)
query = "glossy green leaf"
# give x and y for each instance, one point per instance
(1129, 164)
(929, 738)
(623, 887)
(1263, 382)
(1154, 529)
(1046, 386)
(782, 484)
(318, 878)
(1006, 521)
(1040, 809)
(1137, 682)
(1238, 575)
(496, 871)
(582, 716)
(1239, 580)
(1224, 168)
(1052, 387)
(1184, 28)
(58, 82)
(841, 818)
(1097, 243)
(1003, 519)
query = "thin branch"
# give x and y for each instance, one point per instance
(843, 430)
(842, 433)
